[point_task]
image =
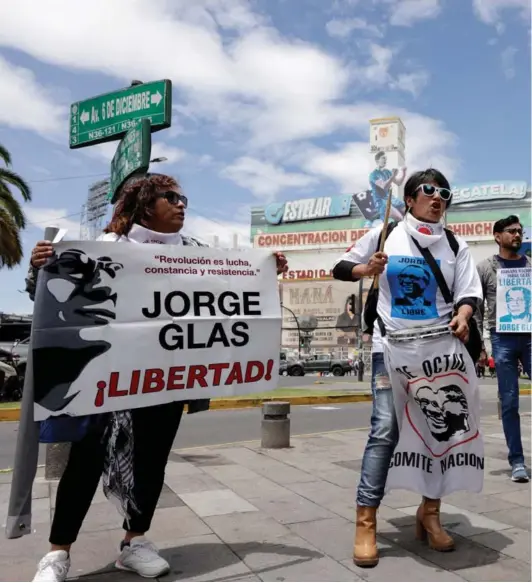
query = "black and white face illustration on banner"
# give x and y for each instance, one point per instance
(413, 288)
(445, 410)
(77, 295)
(518, 301)
(441, 416)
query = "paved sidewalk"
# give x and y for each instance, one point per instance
(240, 513)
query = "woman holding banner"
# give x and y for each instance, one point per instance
(427, 437)
(131, 448)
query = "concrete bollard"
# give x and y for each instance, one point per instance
(275, 427)
(56, 460)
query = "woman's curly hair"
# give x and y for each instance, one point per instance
(136, 200)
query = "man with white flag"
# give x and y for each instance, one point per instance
(429, 289)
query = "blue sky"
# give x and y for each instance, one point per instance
(271, 98)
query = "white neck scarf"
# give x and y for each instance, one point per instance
(140, 234)
(426, 234)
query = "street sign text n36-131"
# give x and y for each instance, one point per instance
(108, 117)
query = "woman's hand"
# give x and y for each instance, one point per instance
(41, 253)
(282, 262)
(460, 323)
(376, 264)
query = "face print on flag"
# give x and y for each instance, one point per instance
(76, 295)
(413, 288)
(445, 410)
(439, 413)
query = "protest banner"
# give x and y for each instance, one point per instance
(123, 326)
(513, 300)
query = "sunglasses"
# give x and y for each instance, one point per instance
(174, 197)
(514, 231)
(430, 190)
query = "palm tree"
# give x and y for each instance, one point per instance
(12, 219)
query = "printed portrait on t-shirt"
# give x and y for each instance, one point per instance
(413, 288)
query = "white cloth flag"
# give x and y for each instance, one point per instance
(437, 403)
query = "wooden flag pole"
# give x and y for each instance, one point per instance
(384, 229)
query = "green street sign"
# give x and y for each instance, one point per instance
(132, 156)
(108, 117)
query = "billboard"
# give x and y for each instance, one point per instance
(308, 209)
(330, 303)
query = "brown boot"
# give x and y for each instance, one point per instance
(365, 553)
(428, 526)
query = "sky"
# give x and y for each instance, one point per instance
(271, 98)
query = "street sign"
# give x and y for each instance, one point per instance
(108, 117)
(132, 156)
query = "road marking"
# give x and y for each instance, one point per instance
(325, 408)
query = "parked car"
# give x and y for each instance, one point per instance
(11, 377)
(20, 349)
(320, 363)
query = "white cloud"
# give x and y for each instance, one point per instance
(264, 179)
(41, 217)
(207, 230)
(26, 104)
(407, 12)
(490, 11)
(412, 83)
(508, 62)
(343, 28)
(428, 144)
(105, 152)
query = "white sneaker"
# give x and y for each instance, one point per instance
(142, 557)
(53, 567)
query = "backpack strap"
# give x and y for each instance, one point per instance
(435, 268)
(453, 241)
(389, 228)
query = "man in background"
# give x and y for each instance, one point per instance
(509, 347)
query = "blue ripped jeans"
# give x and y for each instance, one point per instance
(382, 439)
(507, 350)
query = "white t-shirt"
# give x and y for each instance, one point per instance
(409, 295)
(140, 234)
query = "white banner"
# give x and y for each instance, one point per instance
(513, 300)
(436, 398)
(120, 326)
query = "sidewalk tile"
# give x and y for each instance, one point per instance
(324, 569)
(171, 524)
(262, 464)
(290, 508)
(210, 459)
(462, 521)
(340, 476)
(333, 536)
(254, 528)
(479, 503)
(227, 474)
(102, 516)
(504, 570)
(168, 498)
(5, 490)
(192, 483)
(521, 497)
(216, 503)
(514, 542)
(515, 516)
(111, 576)
(397, 564)
(203, 558)
(181, 469)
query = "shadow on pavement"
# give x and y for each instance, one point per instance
(195, 560)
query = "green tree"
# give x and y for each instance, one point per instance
(12, 219)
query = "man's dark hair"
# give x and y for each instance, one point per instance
(424, 177)
(502, 224)
(379, 155)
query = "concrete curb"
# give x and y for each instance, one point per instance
(13, 414)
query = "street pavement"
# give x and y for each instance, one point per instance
(225, 426)
(240, 513)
